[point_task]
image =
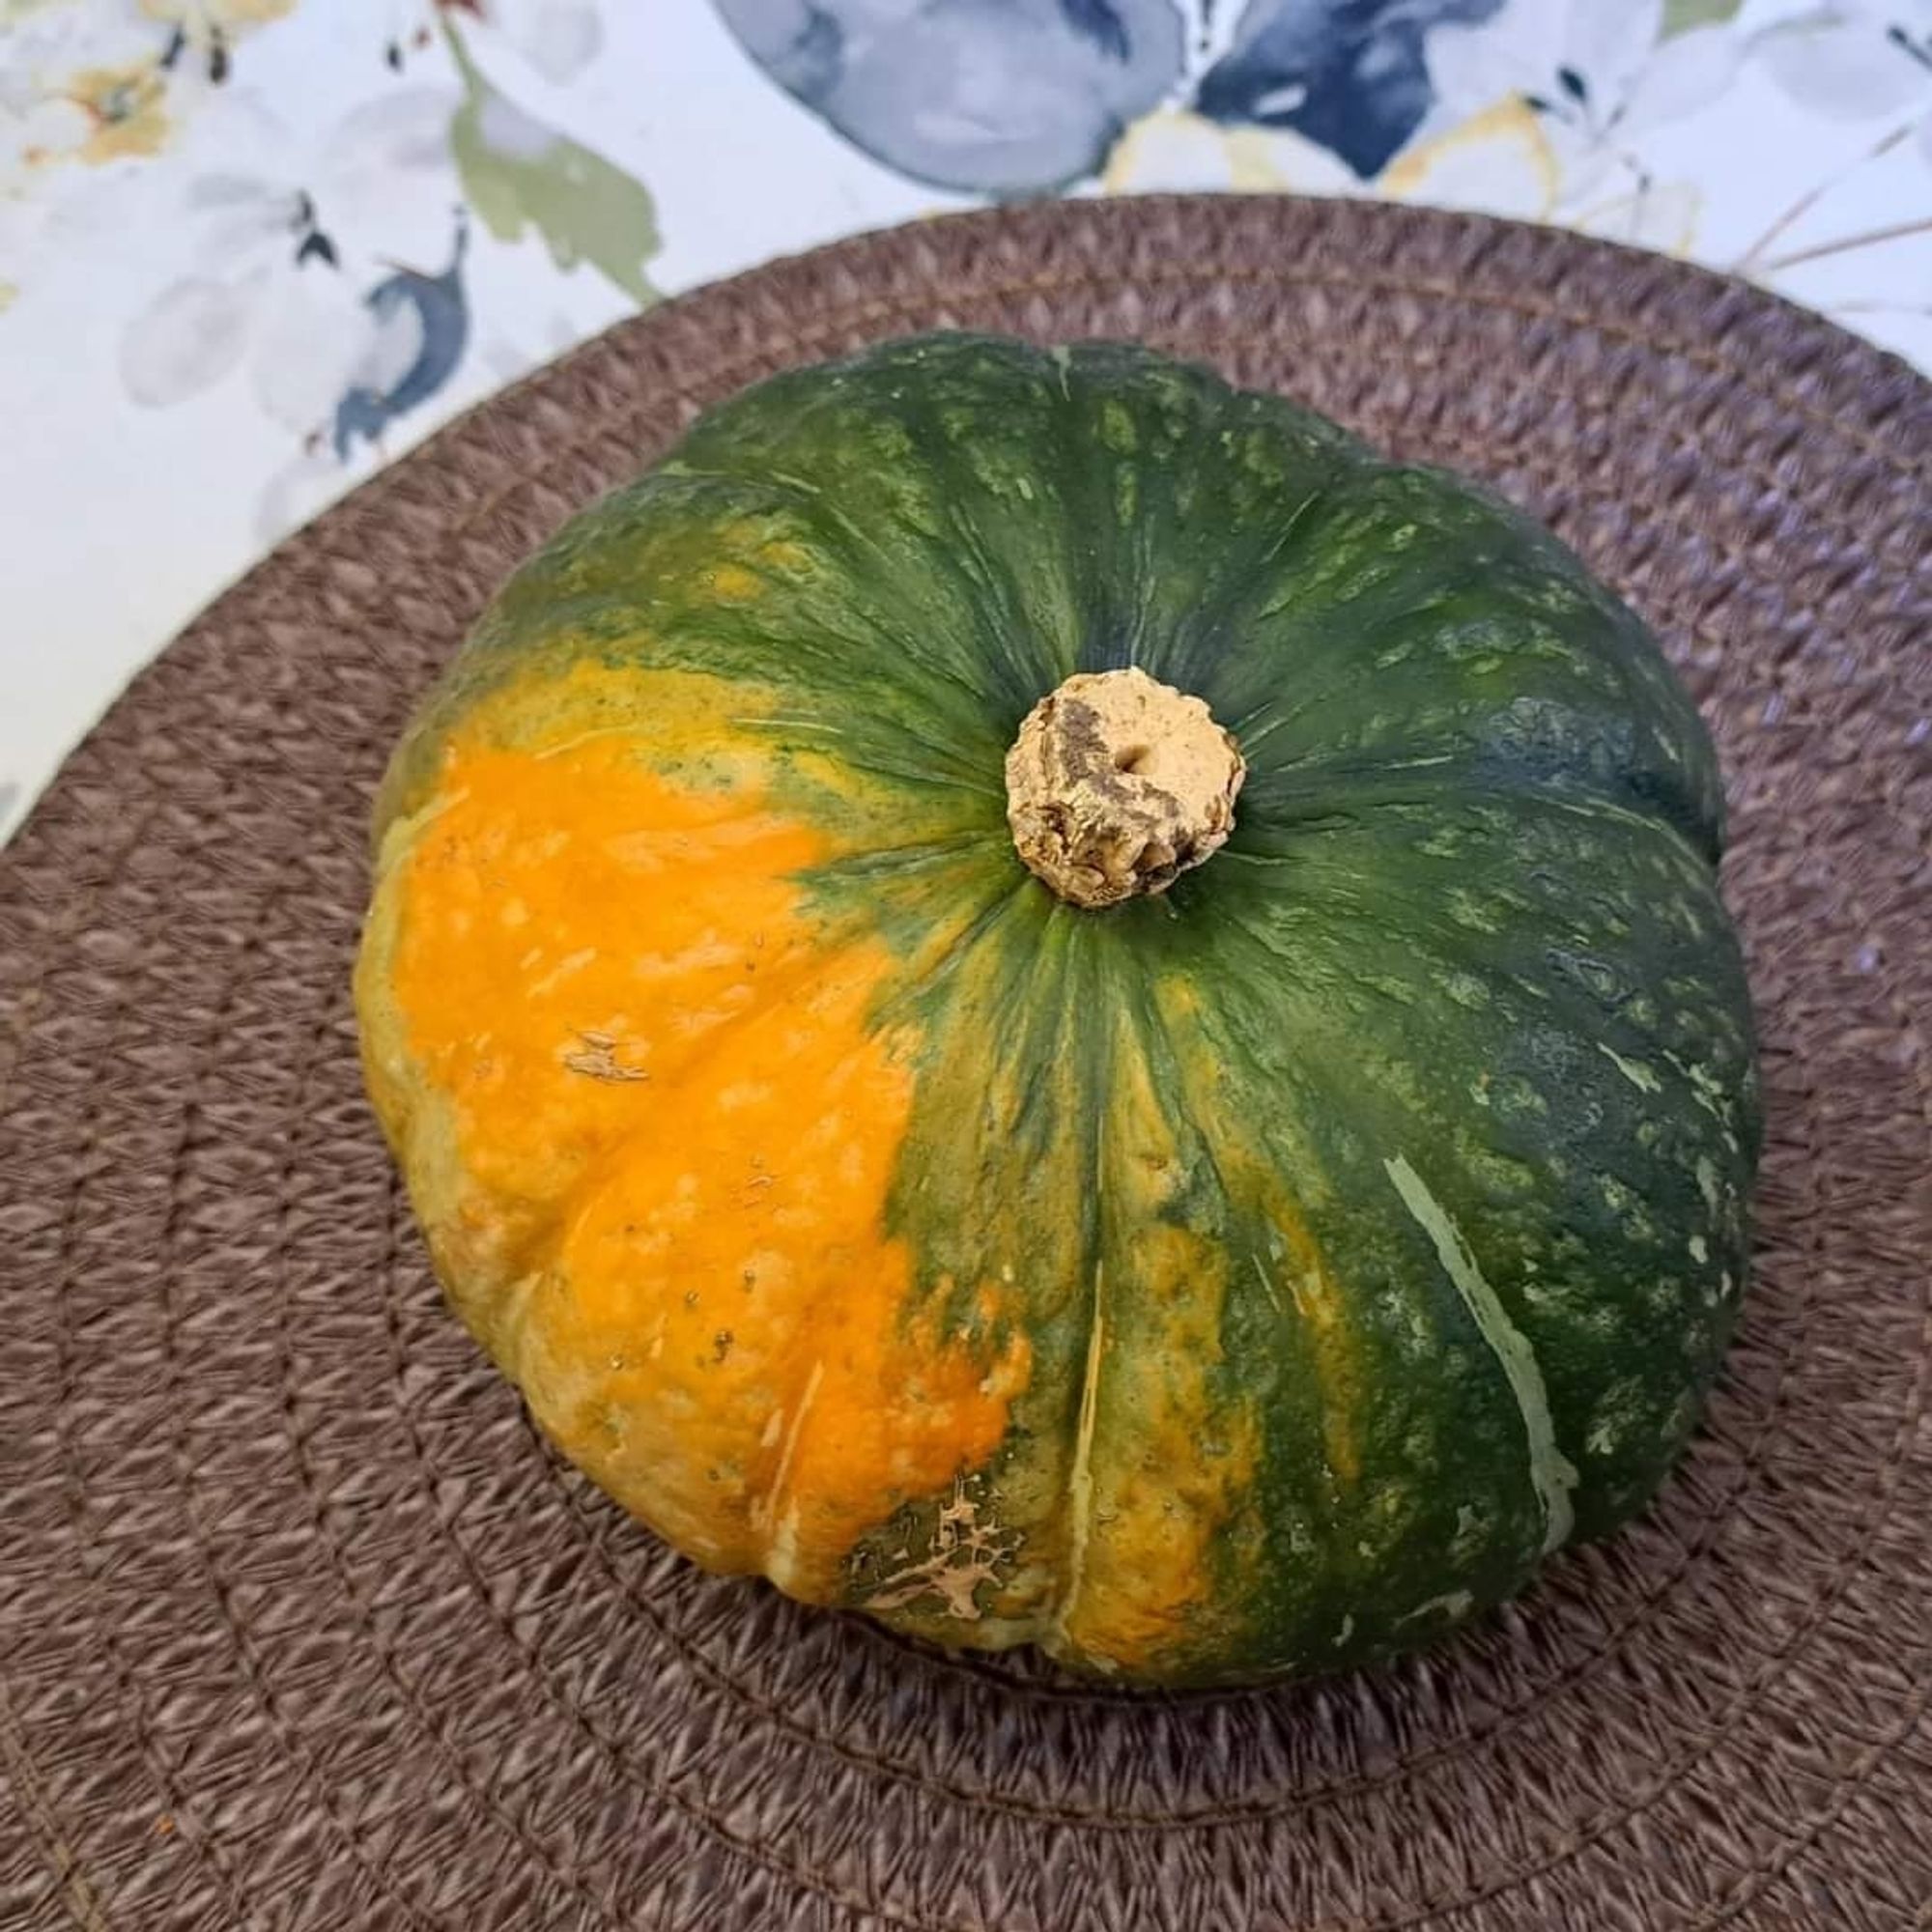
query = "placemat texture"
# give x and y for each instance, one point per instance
(300, 1626)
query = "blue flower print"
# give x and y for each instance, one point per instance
(1346, 74)
(997, 96)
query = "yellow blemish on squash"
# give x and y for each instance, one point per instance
(1164, 1468)
(783, 555)
(1173, 1470)
(603, 1235)
(733, 583)
(1255, 1186)
(1319, 1304)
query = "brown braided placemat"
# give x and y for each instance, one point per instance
(301, 1627)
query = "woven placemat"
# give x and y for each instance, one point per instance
(300, 1626)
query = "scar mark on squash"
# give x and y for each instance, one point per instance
(1455, 1606)
(1552, 1473)
(598, 1058)
(1268, 1285)
(966, 1551)
(1080, 1483)
(1639, 1076)
(767, 1509)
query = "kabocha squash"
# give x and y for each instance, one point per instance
(1043, 999)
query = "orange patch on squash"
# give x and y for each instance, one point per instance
(675, 1131)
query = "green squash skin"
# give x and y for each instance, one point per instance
(1460, 994)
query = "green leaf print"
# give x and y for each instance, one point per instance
(518, 172)
(1681, 15)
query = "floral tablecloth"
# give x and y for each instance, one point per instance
(250, 251)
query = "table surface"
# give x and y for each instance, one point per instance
(251, 250)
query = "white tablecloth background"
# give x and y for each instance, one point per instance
(250, 251)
